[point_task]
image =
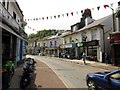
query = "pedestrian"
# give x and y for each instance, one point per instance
(106, 58)
(84, 57)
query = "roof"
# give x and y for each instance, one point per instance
(93, 24)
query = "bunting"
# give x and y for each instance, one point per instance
(68, 14)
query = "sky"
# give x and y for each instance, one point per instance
(46, 8)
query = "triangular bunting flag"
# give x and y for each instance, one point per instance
(119, 3)
(67, 14)
(55, 17)
(93, 9)
(58, 16)
(98, 7)
(111, 4)
(77, 12)
(43, 18)
(72, 13)
(63, 15)
(51, 17)
(86, 10)
(105, 6)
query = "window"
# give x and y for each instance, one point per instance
(14, 15)
(7, 5)
(84, 36)
(3, 2)
(94, 37)
(55, 43)
(115, 77)
(50, 43)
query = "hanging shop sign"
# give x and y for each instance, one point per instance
(115, 38)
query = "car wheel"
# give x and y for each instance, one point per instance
(91, 85)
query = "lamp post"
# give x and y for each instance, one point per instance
(112, 18)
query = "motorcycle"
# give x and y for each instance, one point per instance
(7, 73)
(26, 78)
(27, 71)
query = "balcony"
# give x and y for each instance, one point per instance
(6, 18)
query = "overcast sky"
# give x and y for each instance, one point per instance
(46, 8)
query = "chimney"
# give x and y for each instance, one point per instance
(88, 20)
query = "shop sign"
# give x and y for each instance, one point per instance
(68, 46)
(115, 38)
(92, 43)
(73, 45)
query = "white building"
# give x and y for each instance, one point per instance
(12, 27)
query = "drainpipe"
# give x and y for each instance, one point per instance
(103, 42)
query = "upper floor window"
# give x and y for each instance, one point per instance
(70, 39)
(55, 43)
(14, 15)
(50, 43)
(3, 2)
(94, 36)
(84, 36)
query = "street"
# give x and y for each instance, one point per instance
(72, 75)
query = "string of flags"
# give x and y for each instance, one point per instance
(67, 14)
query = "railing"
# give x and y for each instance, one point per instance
(7, 18)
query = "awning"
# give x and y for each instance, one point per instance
(11, 31)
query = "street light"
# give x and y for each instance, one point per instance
(113, 17)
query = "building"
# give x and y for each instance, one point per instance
(91, 39)
(14, 37)
(115, 38)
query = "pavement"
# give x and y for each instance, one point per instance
(44, 77)
(91, 63)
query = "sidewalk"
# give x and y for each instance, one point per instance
(91, 63)
(43, 77)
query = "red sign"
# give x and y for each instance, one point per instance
(115, 38)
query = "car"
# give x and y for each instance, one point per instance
(109, 80)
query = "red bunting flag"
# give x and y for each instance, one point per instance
(86, 10)
(105, 6)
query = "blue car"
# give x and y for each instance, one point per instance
(104, 80)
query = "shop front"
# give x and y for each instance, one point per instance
(68, 50)
(115, 48)
(92, 49)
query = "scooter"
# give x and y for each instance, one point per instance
(27, 71)
(26, 77)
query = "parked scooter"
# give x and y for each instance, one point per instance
(27, 71)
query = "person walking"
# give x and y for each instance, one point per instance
(106, 58)
(84, 57)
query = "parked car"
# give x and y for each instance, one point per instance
(104, 80)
